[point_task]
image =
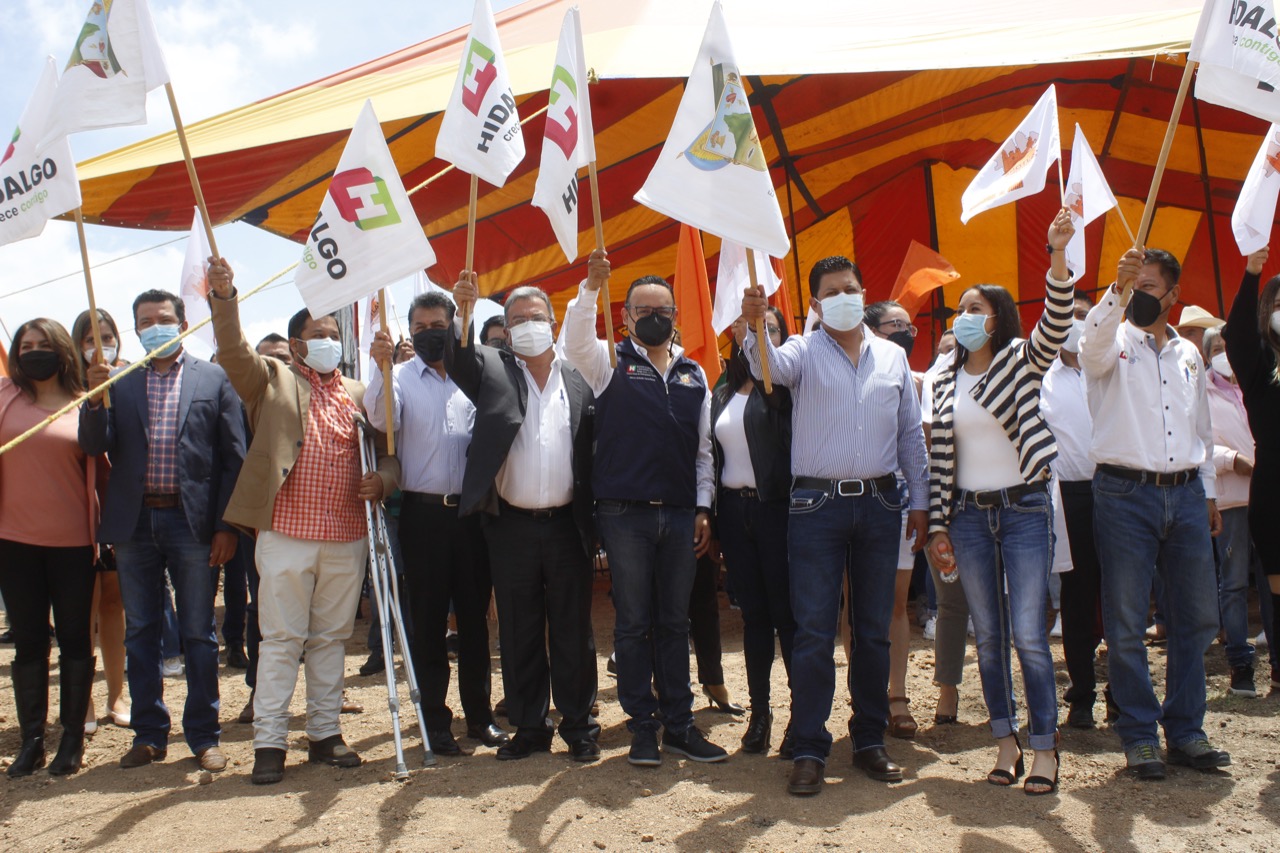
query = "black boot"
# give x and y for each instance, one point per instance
(76, 683)
(31, 695)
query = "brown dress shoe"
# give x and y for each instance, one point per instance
(875, 762)
(212, 758)
(806, 777)
(141, 755)
(351, 706)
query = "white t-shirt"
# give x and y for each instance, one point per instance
(985, 458)
(731, 432)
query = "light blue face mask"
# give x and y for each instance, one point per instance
(154, 337)
(971, 330)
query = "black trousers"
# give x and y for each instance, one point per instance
(542, 584)
(704, 622)
(446, 560)
(35, 577)
(1081, 593)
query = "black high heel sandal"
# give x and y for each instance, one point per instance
(1041, 780)
(1004, 777)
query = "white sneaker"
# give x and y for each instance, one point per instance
(931, 628)
(1056, 630)
(172, 667)
(969, 628)
(1261, 639)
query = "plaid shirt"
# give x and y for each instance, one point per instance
(318, 499)
(163, 393)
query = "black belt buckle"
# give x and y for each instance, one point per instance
(841, 484)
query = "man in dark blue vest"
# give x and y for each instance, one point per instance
(652, 480)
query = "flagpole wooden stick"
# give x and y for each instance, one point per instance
(388, 397)
(1062, 185)
(93, 303)
(191, 170)
(762, 340)
(471, 254)
(1125, 223)
(604, 288)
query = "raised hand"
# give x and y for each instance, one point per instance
(598, 269)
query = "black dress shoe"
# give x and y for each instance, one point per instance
(489, 735)
(875, 762)
(442, 743)
(522, 746)
(787, 748)
(759, 728)
(585, 750)
(236, 658)
(806, 777)
(1080, 715)
(374, 665)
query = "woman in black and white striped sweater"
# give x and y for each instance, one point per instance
(990, 453)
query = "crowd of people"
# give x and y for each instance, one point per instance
(1140, 454)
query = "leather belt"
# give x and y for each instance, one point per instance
(1003, 497)
(546, 513)
(431, 499)
(161, 501)
(748, 494)
(846, 488)
(1151, 478)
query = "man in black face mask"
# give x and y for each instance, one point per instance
(1154, 509)
(445, 556)
(652, 480)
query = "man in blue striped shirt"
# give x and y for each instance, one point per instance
(855, 422)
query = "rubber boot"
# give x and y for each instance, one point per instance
(76, 683)
(31, 695)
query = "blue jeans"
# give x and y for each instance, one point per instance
(825, 535)
(163, 539)
(1004, 555)
(652, 565)
(1235, 558)
(1145, 531)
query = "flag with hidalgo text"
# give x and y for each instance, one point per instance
(1018, 167)
(480, 132)
(1088, 197)
(712, 173)
(1236, 46)
(366, 235)
(115, 62)
(1255, 211)
(37, 180)
(568, 143)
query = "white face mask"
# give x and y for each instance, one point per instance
(1221, 365)
(1074, 336)
(843, 311)
(1275, 322)
(108, 355)
(323, 355)
(531, 338)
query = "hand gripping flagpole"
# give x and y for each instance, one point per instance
(93, 303)
(762, 340)
(387, 395)
(604, 288)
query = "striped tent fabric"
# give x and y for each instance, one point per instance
(871, 137)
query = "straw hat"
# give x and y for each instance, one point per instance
(1195, 317)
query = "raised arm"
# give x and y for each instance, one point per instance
(1099, 349)
(249, 372)
(1245, 348)
(1059, 307)
(465, 365)
(584, 350)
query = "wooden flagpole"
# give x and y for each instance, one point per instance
(191, 170)
(387, 394)
(93, 303)
(471, 253)
(604, 288)
(762, 340)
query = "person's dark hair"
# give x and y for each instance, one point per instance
(873, 314)
(1079, 295)
(776, 313)
(298, 322)
(1266, 305)
(160, 296)
(835, 263)
(68, 357)
(1008, 321)
(496, 320)
(82, 331)
(274, 338)
(1169, 266)
(647, 280)
(431, 300)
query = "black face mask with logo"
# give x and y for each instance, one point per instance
(429, 344)
(654, 330)
(1143, 309)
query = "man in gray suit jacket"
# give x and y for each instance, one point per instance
(175, 436)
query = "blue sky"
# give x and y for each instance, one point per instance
(220, 55)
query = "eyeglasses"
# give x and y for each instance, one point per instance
(898, 326)
(773, 330)
(639, 312)
(518, 320)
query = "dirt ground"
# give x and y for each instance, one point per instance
(474, 803)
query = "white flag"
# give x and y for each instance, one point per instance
(1255, 211)
(37, 181)
(568, 143)
(194, 288)
(1018, 168)
(116, 60)
(370, 310)
(712, 173)
(366, 234)
(1088, 197)
(732, 277)
(1239, 56)
(480, 132)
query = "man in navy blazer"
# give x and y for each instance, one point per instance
(174, 433)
